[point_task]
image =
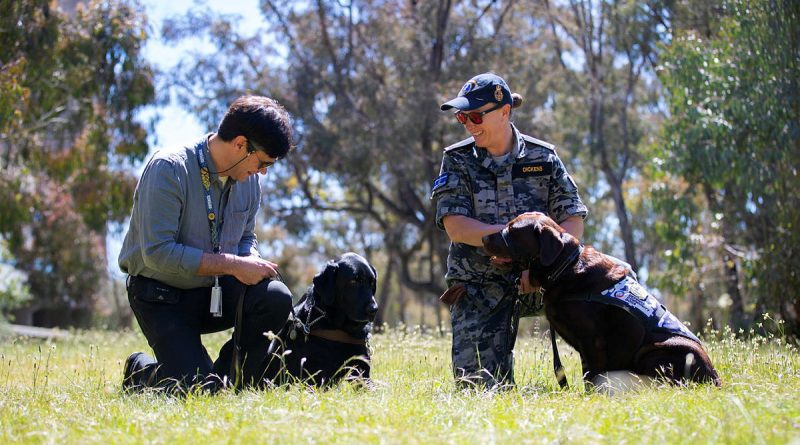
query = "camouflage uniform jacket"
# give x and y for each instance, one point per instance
(472, 184)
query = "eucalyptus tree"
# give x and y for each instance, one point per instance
(71, 88)
(608, 97)
(731, 150)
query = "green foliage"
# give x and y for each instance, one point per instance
(69, 391)
(734, 136)
(12, 94)
(75, 83)
(62, 256)
(604, 107)
(27, 34)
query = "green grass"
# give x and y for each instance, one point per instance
(69, 392)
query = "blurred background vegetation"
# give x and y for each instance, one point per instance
(680, 121)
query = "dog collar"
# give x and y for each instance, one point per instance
(555, 274)
(338, 335)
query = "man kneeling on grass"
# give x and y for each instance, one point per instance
(191, 258)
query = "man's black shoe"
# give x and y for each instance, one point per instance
(131, 375)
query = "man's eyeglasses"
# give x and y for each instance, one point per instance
(265, 164)
(261, 164)
(475, 116)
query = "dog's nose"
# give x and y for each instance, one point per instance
(372, 310)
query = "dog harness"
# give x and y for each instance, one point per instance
(628, 294)
(295, 325)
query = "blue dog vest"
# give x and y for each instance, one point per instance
(628, 294)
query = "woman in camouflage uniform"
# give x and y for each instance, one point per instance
(485, 181)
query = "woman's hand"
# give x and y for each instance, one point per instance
(524, 285)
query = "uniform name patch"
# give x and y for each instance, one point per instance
(532, 169)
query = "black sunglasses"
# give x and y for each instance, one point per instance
(475, 116)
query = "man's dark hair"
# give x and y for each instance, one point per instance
(263, 121)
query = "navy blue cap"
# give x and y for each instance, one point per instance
(480, 90)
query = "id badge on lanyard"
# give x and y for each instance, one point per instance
(216, 291)
(216, 298)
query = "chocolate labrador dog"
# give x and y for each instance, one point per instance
(325, 339)
(601, 312)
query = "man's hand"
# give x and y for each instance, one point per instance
(249, 270)
(252, 270)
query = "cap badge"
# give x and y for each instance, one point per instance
(498, 93)
(468, 87)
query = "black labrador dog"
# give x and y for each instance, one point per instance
(604, 314)
(325, 338)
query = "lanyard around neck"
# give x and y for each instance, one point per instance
(206, 180)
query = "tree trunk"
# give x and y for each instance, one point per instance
(732, 287)
(729, 268)
(626, 231)
(696, 317)
(383, 303)
(403, 300)
(24, 315)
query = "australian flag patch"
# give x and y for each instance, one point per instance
(440, 181)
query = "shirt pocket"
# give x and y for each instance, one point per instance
(232, 231)
(532, 193)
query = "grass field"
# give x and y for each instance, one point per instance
(69, 392)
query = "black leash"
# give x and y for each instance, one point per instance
(558, 368)
(236, 359)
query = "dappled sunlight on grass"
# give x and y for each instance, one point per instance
(69, 391)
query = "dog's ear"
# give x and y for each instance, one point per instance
(550, 244)
(325, 283)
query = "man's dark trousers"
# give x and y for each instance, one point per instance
(173, 326)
